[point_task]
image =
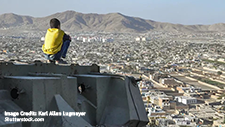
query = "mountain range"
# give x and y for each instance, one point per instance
(112, 22)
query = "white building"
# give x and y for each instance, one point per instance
(84, 39)
(140, 39)
(221, 60)
(182, 120)
(186, 99)
(90, 39)
(43, 39)
(143, 39)
(137, 39)
(103, 40)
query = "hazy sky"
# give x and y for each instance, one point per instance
(173, 11)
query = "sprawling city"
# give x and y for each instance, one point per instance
(112, 63)
(182, 75)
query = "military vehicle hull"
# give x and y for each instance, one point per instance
(44, 90)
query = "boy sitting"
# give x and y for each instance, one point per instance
(56, 43)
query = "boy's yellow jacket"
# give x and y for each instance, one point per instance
(53, 41)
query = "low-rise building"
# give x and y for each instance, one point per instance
(164, 102)
(182, 121)
(186, 99)
(140, 39)
(188, 89)
(155, 113)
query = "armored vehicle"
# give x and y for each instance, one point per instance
(67, 96)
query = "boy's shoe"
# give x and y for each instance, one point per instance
(50, 61)
(60, 62)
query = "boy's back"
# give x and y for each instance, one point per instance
(56, 42)
(53, 41)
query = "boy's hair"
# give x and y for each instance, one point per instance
(54, 23)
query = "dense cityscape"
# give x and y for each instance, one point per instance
(182, 73)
